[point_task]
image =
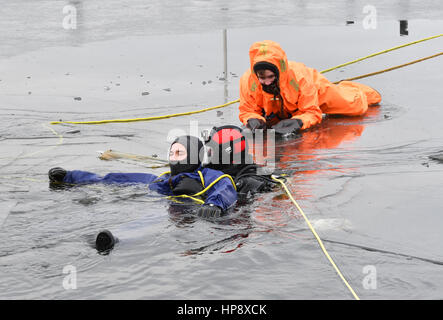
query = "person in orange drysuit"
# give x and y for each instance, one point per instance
(288, 96)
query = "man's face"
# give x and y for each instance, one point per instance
(178, 152)
(266, 77)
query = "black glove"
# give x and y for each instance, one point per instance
(57, 174)
(288, 126)
(256, 124)
(248, 184)
(209, 211)
(253, 184)
(187, 186)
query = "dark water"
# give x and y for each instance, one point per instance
(367, 184)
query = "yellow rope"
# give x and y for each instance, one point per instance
(186, 196)
(238, 100)
(389, 69)
(381, 52)
(60, 141)
(201, 178)
(318, 239)
(205, 189)
(214, 182)
(164, 173)
(149, 118)
(281, 182)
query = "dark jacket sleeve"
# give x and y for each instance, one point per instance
(84, 177)
(222, 193)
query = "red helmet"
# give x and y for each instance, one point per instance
(227, 146)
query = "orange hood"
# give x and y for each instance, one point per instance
(271, 52)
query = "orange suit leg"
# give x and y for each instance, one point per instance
(346, 98)
(372, 95)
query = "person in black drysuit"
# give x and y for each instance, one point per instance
(187, 177)
(229, 153)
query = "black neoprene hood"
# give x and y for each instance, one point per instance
(264, 65)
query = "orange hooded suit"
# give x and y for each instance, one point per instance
(306, 94)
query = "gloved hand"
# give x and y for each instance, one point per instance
(255, 124)
(249, 184)
(253, 184)
(209, 211)
(288, 126)
(57, 174)
(187, 186)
